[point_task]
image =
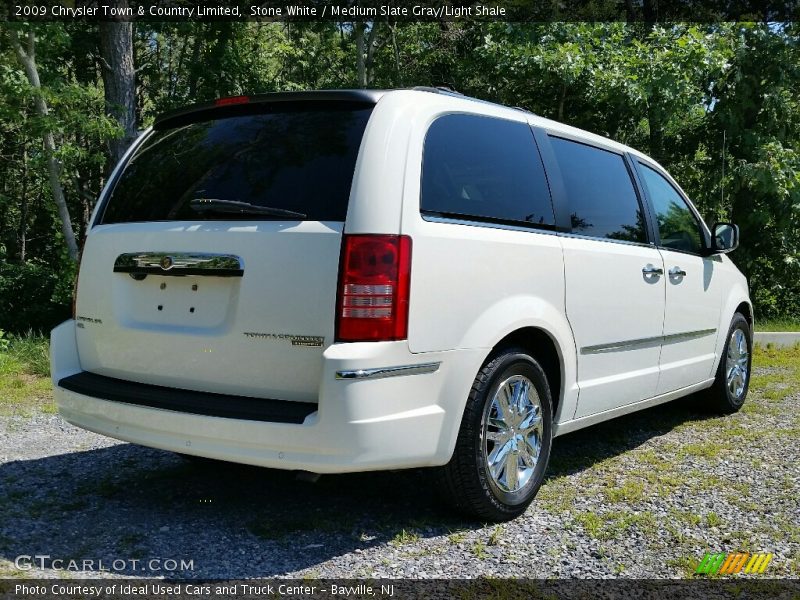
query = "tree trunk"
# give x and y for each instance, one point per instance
(365, 53)
(369, 63)
(23, 210)
(358, 30)
(28, 60)
(397, 67)
(194, 74)
(119, 80)
(176, 76)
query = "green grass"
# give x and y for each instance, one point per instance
(496, 535)
(616, 524)
(25, 375)
(457, 537)
(784, 378)
(770, 356)
(479, 549)
(627, 492)
(713, 519)
(784, 324)
(708, 450)
(404, 537)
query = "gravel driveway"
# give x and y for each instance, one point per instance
(642, 496)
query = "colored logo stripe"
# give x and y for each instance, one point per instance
(727, 564)
(710, 563)
(758, 564)
(734, 563)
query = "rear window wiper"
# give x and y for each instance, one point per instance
(218, 205)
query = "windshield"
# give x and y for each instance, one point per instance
(298, 161)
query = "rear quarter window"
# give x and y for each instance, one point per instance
(299, 161)
(484, 168)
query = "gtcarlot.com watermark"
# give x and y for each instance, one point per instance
(28, 562)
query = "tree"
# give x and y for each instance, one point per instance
(366, 45)
(27, 57)
(674, 91)
(119, 80)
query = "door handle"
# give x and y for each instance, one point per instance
(677, 272)
(651, 270)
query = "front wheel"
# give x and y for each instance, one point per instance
(732, 381)
(504, 442)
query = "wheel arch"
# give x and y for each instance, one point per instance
(542, 330)
(541, 345)
(747, 310)
(737, 301)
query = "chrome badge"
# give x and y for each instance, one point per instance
(312, 341)
(167, 262)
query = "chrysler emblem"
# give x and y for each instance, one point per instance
(167, 263)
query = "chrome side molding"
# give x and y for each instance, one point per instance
(381, 372)
(644, 342)
(179, 264)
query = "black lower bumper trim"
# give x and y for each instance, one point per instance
(187, 401)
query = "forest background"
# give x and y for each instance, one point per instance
(718, 104)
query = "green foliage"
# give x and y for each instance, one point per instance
(715, 103)
(32, 296)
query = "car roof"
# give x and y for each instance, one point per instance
(238, 105)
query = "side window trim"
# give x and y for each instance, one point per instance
(483, 220)
(451, 217)
(651, 225)
(559, 194)
(638, 163)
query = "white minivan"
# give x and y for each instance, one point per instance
(343, 281)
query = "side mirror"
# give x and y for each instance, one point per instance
(724, 238)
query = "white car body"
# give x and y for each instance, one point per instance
(617, 342)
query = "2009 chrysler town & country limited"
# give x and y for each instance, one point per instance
(356, 280)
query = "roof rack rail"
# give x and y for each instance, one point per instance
(447, 91)
(439, 89)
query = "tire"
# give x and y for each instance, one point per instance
(467, 482)
(728, 393)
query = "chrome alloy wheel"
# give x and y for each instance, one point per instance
(512, 433)
(736, 364)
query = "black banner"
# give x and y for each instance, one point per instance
(399, 589)
(399, 11)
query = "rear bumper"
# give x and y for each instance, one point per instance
(404, 420)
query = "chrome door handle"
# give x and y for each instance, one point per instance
(651, 270)
(677, 272)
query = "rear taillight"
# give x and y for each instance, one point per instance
(374, 282)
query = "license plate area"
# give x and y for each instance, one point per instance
(190, 303)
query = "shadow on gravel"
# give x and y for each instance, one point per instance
(129, 502)
(578, 451)
(133, 503)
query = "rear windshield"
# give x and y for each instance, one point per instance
(298, 161)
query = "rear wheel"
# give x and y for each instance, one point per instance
(504, 442)
(729, 391)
